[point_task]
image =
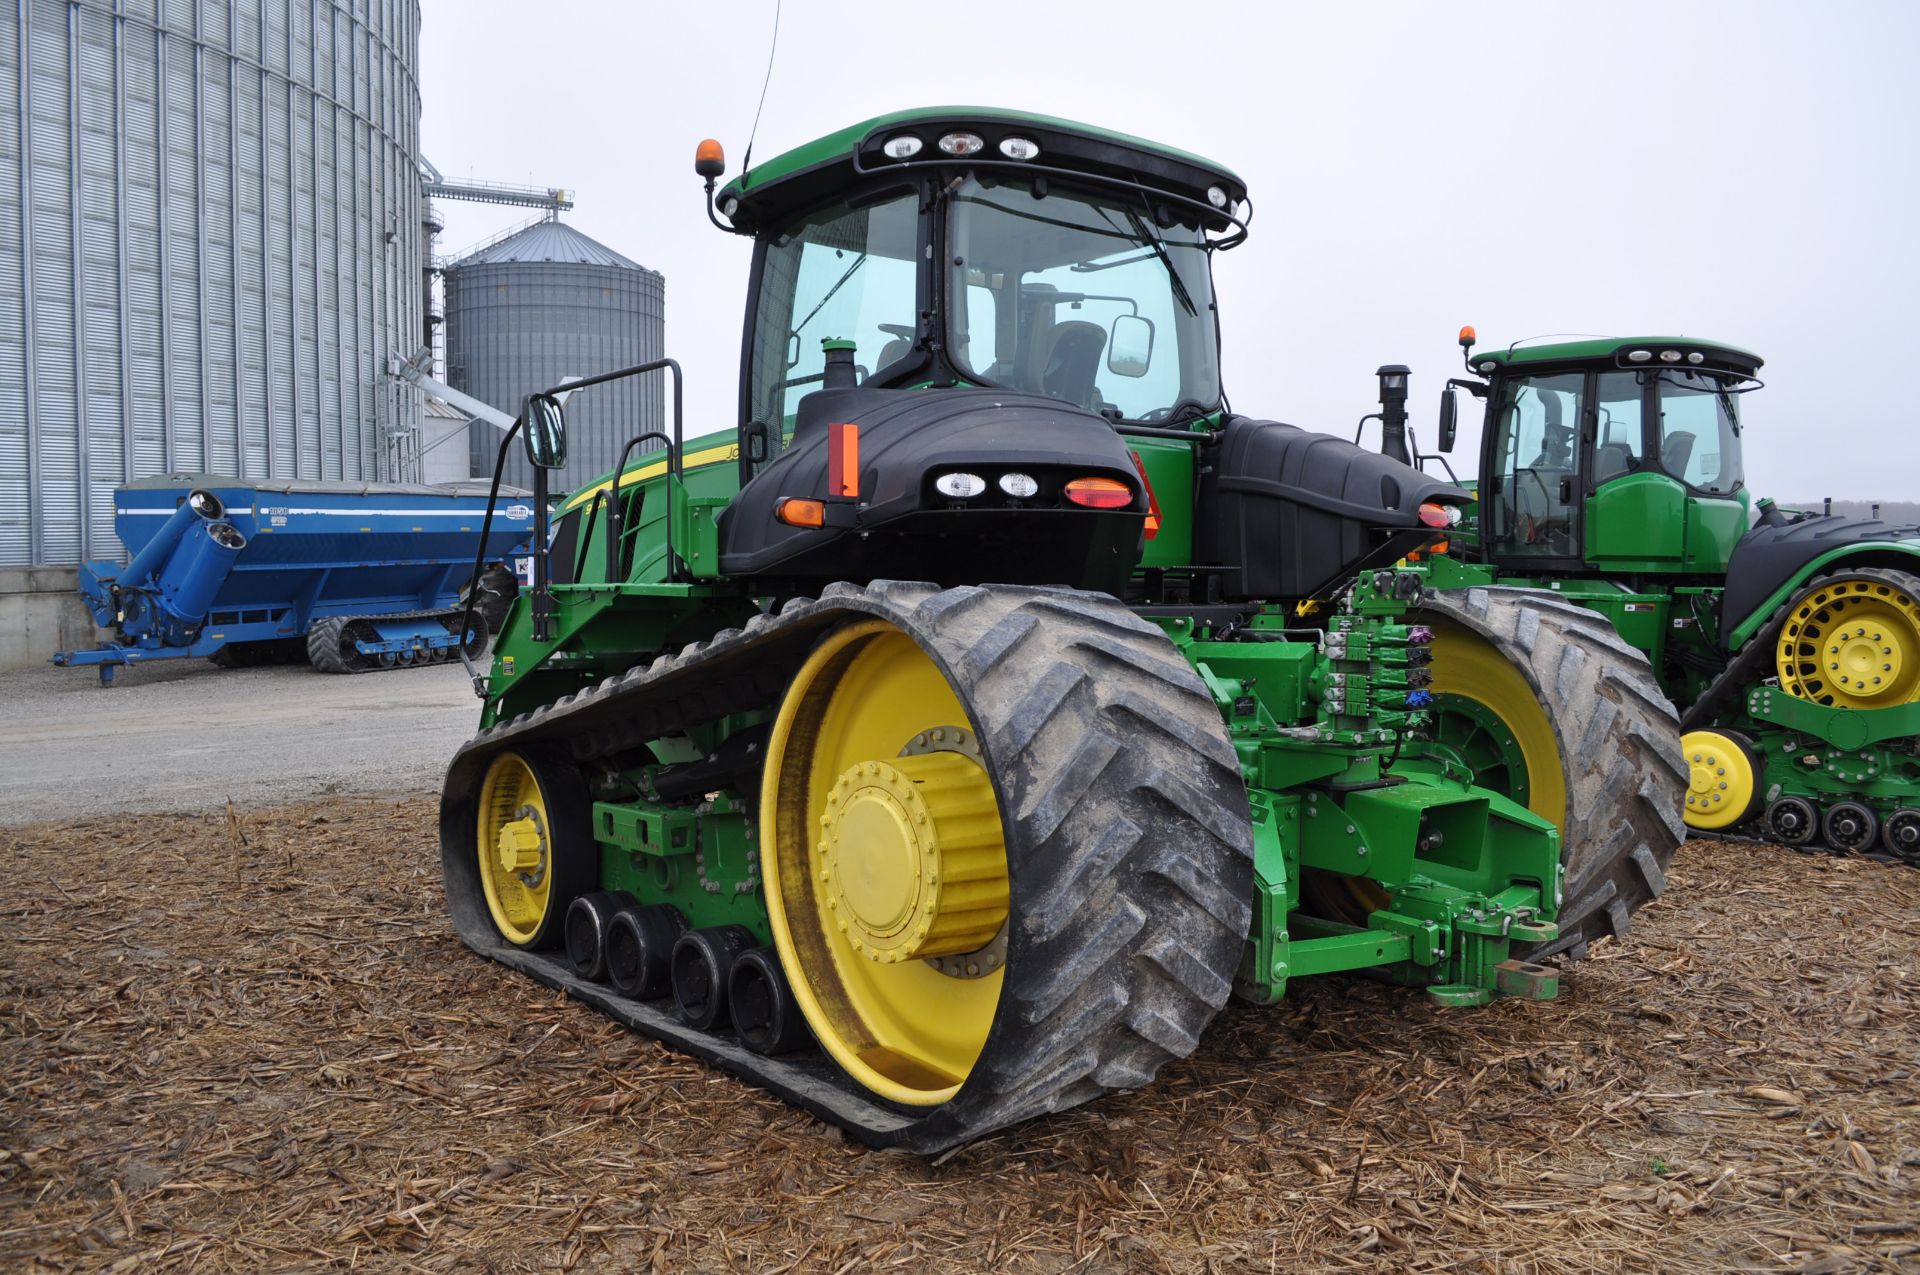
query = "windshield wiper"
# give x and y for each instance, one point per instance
(801, 326)
(1152, 239)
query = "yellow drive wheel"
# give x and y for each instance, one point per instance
(1723, 785)
(885, 864)
(1853, 641)
(1486, 711)
(528, 845)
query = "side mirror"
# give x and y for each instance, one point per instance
(546, 427)
(1449, 424)
(1130, 346)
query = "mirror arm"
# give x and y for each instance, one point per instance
(479, 557)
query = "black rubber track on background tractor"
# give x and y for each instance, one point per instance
(1129, 846)
(1619, 740)
(1756, 664)
(330, 642)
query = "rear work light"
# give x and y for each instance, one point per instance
(1099, 493)
(960, 485)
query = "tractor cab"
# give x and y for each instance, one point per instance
(1613, 455)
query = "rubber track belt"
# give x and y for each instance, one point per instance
(749, 668)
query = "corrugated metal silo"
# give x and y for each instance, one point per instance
(547, 303)
(210, 241)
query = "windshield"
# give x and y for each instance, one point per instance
(1082, 297)
(839, 273)
(1699, 435)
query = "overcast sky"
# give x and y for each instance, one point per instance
(1744, 172)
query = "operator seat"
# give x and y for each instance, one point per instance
(1610, 460)
(1675, 452)
(1073, 361)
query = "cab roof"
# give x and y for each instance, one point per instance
(1618, 350)
(812, 172)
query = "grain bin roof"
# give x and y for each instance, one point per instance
(549, 241)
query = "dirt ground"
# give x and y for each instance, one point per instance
(245, 1043)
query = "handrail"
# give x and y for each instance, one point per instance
(614, 516)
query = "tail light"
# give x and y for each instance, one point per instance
(1099, 493)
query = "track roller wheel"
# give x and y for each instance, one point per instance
(588, 918)
(702, 965)
(1900, 834)
(532, 849)
(1723, 786)
(765, 1015)
(1006, 853)
(1543, 702)
(640, 949)
(1792, 821)
(1852, 640)
(1849, 826)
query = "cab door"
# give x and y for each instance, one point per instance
(1535, 490)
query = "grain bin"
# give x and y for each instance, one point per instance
(210, 247)
(547, 303)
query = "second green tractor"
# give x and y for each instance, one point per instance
(1611, 474)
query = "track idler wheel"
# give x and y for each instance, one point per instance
(1792, 821)
(1849, 826)
(703, 962)
(640, 949)
(1900, 834)
(1852, 640)
(765, 1015)
(529, 847)
(588, 920)
(1723, 783)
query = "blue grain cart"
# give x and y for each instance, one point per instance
(352, 576)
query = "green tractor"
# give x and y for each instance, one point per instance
(945, 742)
(1610, 474)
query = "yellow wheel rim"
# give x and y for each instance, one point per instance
(1720, 780)
(1852, 644)
(1467, 666)
(513, 842)
(885, 865)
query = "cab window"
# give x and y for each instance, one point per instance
(1619, 428)
(1536, 466)
(1699, 432)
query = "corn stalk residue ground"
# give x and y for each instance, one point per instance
(252, 1042)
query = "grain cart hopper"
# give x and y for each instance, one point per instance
(990, 703)
(1611, 474)
(353, 576)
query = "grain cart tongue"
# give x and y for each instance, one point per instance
(945, 742)
(352, 576)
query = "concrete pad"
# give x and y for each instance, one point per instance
(185, 736)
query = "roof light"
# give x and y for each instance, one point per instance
(905, 146)
(962, 144)
(1669, 356)
(1696, 357)
(1019, 148)
(960, 485)
(801, 513)
(1639, 356)
(728, 207)
(1216, 197)
(1099, 493)
(1486, 365)
(1019, 486)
